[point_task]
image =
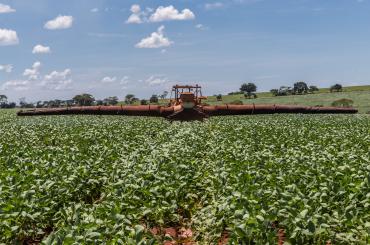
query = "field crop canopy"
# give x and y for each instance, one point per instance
(117, 180)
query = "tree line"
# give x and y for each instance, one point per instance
(302, 88)
(249, 90)
(297, 89)
(4, 102)
(84, 99)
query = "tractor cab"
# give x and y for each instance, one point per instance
(187, 96)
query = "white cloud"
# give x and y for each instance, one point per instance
(53, 81)
(40, 49)
(215, 5)
(134, 19)
(6, 68)
(201, 27)
(17, 85)
(94, 10)
(171, 13)
(162, 13)
(156, 80)
(135, 9)
(60, 22)
(57, 80)
(34, 72)
(8, 37)
(109, 79)
(4, 9)
(155, 40)
(58, 75)
(136, 16)
(124, 80)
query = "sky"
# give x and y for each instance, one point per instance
(56, 49)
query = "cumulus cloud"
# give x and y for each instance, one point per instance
(156, 80)
(60, 22)
(124, 80)
(8, 37)
(215, 5)
(135, 8)
(109, 79)
(57, 80)
(34, 72)
(162, 13)
(17, 85)
(40, 49)
(6, 68)
(23, 84)
(171, 13)
(134, 19)
(4, 9)
(94, 10)
(136, 16)
(155, 40)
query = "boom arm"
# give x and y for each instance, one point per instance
(185, 114)
(186, 106)
(144, 110)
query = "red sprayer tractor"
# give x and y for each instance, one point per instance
(186, 105)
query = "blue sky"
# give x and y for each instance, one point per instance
(57, 49)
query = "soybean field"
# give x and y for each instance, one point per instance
(303, 179)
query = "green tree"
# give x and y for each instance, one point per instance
(164, 95)
(84, 99)
(336, 88)
(274, 92)
(11, 105)
(300, 88)
(248, 89)
(99, 102)
(39, 104)
(130, 99)
(313, 89)
(154, 99)
(113, 100)
(282, 91)
(56, 103)
(3, 99)
(143, 102)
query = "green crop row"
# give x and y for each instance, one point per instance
(109, 180)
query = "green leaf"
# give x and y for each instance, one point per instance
(311, 226)
(93, 234)
(260, 218)
(303, 213)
